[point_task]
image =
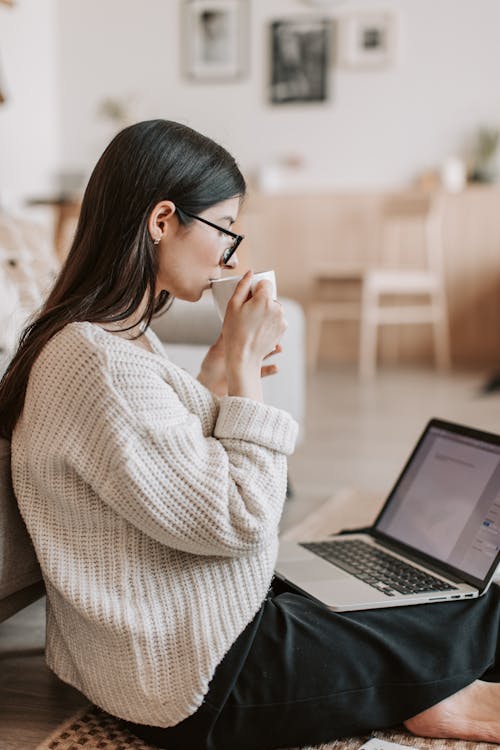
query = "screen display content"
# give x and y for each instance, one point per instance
(448, 503)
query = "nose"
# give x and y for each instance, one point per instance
(232, 262)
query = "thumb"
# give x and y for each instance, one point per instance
(242, 291)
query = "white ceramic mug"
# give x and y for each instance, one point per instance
(222, 289)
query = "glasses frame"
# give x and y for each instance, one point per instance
(237, 238)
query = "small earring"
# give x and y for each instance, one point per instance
(157, 241)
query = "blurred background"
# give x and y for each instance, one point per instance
(327, 105)
(382, 122)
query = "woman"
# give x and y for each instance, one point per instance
(153, 499)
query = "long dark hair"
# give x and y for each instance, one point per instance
(112, 265)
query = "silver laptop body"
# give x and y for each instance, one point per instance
(442, 518)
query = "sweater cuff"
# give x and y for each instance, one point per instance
(245, 419)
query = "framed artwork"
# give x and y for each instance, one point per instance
(367, 39)
(214, 39)
(300, 52)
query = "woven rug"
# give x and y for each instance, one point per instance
(93, 729)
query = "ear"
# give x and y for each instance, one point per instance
(159, 219)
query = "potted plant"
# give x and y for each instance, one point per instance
(485, 146)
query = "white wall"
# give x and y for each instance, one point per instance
(379, 128)
(29, 119)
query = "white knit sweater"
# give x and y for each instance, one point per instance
(153, 507)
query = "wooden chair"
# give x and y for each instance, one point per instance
(404, 287)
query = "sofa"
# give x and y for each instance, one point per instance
(186, 330)
(20, 577)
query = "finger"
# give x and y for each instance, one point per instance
(242, 290)
(268, 370)
(263, 287)
(277, 350)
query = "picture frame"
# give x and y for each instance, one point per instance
(215, 42)
(300, 54)
(367, 40)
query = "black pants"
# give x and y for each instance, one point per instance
(300, 674)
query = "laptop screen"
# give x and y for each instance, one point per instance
(447, 501)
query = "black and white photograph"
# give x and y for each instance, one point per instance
(367, 40)
(214, 41)
(299, 60)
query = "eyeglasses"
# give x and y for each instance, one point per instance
(237, 238)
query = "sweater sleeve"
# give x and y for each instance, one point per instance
(150, 457)
(203, 495)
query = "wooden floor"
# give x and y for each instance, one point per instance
(356, 435)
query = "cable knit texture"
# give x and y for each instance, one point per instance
(154, 508)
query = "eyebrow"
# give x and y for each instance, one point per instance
(227, 218)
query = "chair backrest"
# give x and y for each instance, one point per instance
(411, 231)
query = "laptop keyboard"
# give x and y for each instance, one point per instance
(380, 570)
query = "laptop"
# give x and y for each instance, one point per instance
(436, 539)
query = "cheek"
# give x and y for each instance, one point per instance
(207, 253)
(183, 262)
(215, 256)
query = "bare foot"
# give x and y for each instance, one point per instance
(471, 714)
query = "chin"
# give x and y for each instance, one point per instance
(191, 295)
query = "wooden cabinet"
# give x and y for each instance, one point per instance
(294, 233)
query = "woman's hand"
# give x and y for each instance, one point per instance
(252, 327)
(213, 368)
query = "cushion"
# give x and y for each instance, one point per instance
(28, 267)
(18, 565)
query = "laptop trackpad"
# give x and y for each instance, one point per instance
(311, 570)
